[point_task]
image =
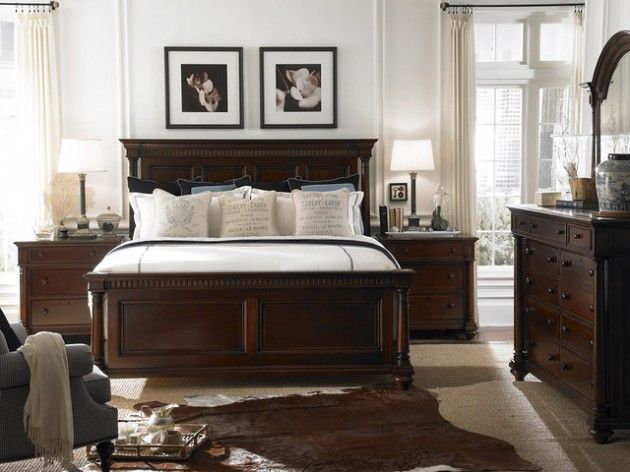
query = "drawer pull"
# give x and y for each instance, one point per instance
(591, 308)
(451, 276)
(559, 232)
(44, 312)
(44, 281)
(550, 323)
(566, 264)
(528, 280)
(591, 343)
(565, 366)
(451, 306)
(453, 250)
(551, 357)
(551, 290)
(591, 272)
(529, 309)
(550, 259)
(533, 226)
(565, 329)
(564, 296)
(577, 236)
(40, 254)
(529, 251)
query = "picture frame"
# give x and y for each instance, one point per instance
(398, 192)
(298, 87)
(204, 87)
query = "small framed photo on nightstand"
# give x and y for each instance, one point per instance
(398, 192)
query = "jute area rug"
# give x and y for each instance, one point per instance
(473, 387)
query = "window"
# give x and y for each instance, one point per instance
(523, 74)
(7, 142)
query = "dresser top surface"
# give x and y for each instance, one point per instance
(566, 213)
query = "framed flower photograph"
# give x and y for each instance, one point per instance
(298, 87)
(204, 87)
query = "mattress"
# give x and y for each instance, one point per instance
(258, 254)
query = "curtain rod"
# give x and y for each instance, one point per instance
(53, 5)
(445, 5)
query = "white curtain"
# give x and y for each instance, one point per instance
(37, 93)
(458, 118)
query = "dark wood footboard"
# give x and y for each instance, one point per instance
(260, 323)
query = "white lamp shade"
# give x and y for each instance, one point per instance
(412, 155)
(81, 156)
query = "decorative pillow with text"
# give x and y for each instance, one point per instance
(248, 217)
(321, 213)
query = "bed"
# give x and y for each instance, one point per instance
(251, 306)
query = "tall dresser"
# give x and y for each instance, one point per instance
(572, 309)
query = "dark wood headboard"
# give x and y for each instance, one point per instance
(265, 160)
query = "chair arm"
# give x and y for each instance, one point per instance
(14, 370)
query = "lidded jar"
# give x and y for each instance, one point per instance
(612, 180)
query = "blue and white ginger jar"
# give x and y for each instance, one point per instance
(613, 185)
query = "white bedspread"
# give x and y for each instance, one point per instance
(261, 254)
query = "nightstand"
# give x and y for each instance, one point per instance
(53, 293)
(442, 290)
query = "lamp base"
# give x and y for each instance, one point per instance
(414, 222)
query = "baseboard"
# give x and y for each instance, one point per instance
(496, 311)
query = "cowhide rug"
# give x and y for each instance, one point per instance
(367, 429)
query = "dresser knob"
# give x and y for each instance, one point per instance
(453, 250)
(40, 254)
(528, 280)
(565, 329)
(565, 366)
(451, 276)
(591, 272)
(451, 306)
(533, 226)
(44, 312)
(577, 236)
(551, 357)
(559, 232)
(550, 259)
(551, 290)
(529, 251)
(530, 309)
(591, 308)
(591, 343)
(44, 281)
(565, 263)
(550, 323)
(564, 296)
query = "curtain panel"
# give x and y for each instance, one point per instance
(37, 93)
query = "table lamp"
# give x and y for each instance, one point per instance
(412, 156)
(81, 156)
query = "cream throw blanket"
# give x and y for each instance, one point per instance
(48, 409)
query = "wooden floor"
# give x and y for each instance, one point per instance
(484, 335)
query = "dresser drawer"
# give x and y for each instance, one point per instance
(546, 228)
(60, 312)
(577, 300)
(576, 270)
(438, 277)
(577, 373)
(414, 249)
(55, 282)
(543, 351)
(542, 286)
(89, 256)
(541, 318)
(437, 309)
(580, 237)
(577, 336)
(540, 257)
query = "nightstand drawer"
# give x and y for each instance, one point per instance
(428, 249)
(70, 254)
(56, 282)
(60, 312)
(437, 307)
(438, 276)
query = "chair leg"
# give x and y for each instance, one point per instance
(105, 451)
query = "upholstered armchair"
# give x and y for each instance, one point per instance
(94, 421)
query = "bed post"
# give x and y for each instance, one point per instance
(403, 370)
(365, 188)
(97, 339)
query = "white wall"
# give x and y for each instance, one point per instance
(111, 67)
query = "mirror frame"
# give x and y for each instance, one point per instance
(613, 51)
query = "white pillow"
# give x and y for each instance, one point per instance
(322, 213)
(183, 216)
(285, 211)
(248, 217)
(144, 212)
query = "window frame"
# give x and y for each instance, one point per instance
(532, 75)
